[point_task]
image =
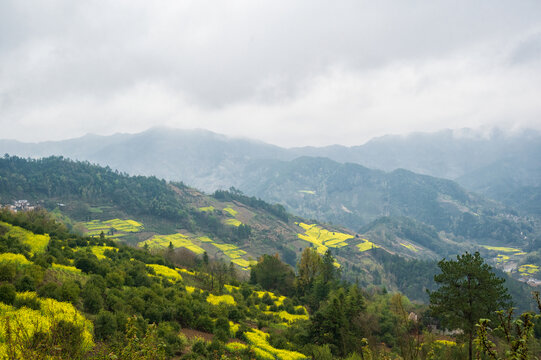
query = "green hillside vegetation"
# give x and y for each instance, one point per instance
(36, 242)
(93, 195)
(103, 304)
(354, 196)
(94, 298)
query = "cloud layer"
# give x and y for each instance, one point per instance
(289, 73)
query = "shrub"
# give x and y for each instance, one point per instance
(105, 325)
(7, 293)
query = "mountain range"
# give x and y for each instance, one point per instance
(496, 164)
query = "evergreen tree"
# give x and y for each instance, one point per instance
(469, 291)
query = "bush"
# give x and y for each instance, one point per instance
(105, 325)
(49, 290)
(7, 293)
(25, 283)
(7, 271)
(200, 347)
(204, 323)
(69, 291)
(92, 299)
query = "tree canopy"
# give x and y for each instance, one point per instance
(469, 291)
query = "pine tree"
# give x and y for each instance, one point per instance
(469, 291)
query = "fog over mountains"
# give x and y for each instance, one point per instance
(501, 166)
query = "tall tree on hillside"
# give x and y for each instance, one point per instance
(309, 266)
(273, 274)
(469, 291)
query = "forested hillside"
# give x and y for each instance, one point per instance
(151, 213)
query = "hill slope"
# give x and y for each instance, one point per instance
(151, 212)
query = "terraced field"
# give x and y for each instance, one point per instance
(178, 240)
(501, 249)
(206, 209)
(232, 222)
(323, 239)
(409, 247)
(122, 227)
(528, 269)
(507, 254)
(235, 255)
(366, 245)
(231, 211)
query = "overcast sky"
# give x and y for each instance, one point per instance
(286, 72)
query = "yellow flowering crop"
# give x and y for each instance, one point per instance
(221, 299)
(235, 347)
(323, 239)
(290, 318)
(24, 322)
(186, 271)
(166, 272)
(232, 222)
(178, 240)
(231, 211)
(366, 245)
(16, 258)
(528, 269)
(258, 339)
(69, 269)
(409, 246)
(501, 249)
(38, 243)
(95, 227)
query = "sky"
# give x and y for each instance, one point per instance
(291, 73)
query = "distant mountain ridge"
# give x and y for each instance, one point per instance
(504, 167)
(353, 196)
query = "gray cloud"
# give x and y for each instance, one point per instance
(292, 73)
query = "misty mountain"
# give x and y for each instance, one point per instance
(506, 167)
(200, 158)
(496, 164)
